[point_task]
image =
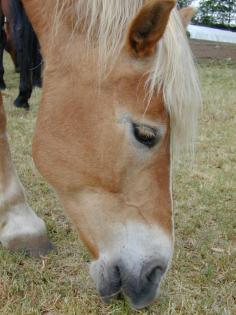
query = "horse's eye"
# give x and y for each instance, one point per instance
(146, 135)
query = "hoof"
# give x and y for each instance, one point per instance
(35, 247)
(38, 83)
(2, 86)
(20, 104)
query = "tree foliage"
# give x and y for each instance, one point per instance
(184, 3)
(217, 12)
(220, 13)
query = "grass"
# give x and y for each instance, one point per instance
(202, 278)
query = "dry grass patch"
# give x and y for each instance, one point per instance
(202, 278)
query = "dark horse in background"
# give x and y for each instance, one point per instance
(18, 38)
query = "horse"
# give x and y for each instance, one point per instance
(18, 38)
(120, 102)
(5, 43)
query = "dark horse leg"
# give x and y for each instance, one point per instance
(30, 68)
(26, 50)
(10, 46)
(25, 89)
(2, 47)
(37, 61)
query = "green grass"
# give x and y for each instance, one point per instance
(202, 279)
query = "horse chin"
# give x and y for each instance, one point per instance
(138, 305)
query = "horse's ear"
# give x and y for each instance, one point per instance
(187, 14)
(148, 27)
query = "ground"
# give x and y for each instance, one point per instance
(202, 278)
(213, 50)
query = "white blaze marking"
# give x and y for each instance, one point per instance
(134, 244)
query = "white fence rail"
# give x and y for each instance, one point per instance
(211, 34)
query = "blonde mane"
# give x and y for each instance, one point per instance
(105, 23)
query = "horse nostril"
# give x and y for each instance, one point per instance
(117, 276)
(154, 274)
(142, 288)
(111, 284)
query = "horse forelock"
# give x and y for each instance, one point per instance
(105, 24)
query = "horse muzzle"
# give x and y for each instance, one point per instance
(139, 283)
